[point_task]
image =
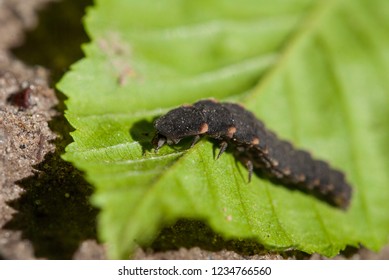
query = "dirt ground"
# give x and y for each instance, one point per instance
(44, 202)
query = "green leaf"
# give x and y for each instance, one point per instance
(316, 72)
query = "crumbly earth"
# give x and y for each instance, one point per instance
(33, 213)
(44, 202)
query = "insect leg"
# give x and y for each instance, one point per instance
(195, 140)
(158, 142)
(223, 147)
(250, 168)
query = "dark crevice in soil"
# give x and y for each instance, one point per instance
(55, 43)
(189, 233)
(54, 212)
(192, 233)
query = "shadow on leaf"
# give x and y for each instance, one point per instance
(143, 132)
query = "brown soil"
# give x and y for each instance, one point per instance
(44, 202)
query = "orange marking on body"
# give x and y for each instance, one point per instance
(231, 131)
(255, 141)
(203, 128)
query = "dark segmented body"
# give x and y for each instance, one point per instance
(255, 146)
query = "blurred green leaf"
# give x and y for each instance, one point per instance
(316, 72)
